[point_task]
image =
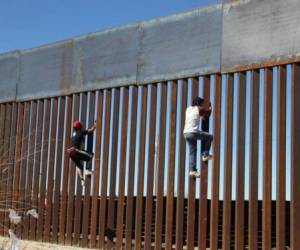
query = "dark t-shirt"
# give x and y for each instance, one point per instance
(77, 138)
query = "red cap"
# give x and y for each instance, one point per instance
(76, 124)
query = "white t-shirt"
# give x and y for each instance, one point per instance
(192, 120)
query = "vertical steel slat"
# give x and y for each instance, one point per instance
(102, 216)
(78, 196)
(240, 162)
(267, 159)
(97, 156)
(160, 168)
(122, 169)
(65, 166)
(190, 238)
(253, 163)
(2, 153)
(72, 176)
(37, 162)
(49, 190)
(131, 168)
(31, 137)
(87, 191)
(141, 165)
(24, 157)
(59, 165)
(202, 234)
(11, 160)
(295, 157)
(5, 164)
(18, 150)
(227, 190)
(214, 209)
(113, 167)
(150, 169)
(43, 169)
(171, 167)
(181, 170)
(281, 164)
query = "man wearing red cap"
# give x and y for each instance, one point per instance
(75, 152)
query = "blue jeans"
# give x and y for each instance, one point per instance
(191, 139)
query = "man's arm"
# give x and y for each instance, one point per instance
(91, 129)
(204, 112)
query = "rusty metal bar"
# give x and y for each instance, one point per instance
(2, 125)
(122, 171)
(49, 190)
(214, 209)
(267, 159)
(59, 165)
(191, 187)
(202, 233)
(31, 138)
(71, 186)
(11, 160)
(65, 166)
(281, 163)
(97, 157)
(170, 166)
(113, 167)
(150, 169)
(24, 154)
(131, 173)
(253, 165)
(43, 169)
(295, 157)
(102, 213)
(78, 196)
(160, 168)
(141, 166)
(18, 150)
(87, 191)
(37, 162)
(240, 162)
(181, 169)
(4, 161)
(227, 191)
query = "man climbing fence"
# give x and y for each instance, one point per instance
(194, 114)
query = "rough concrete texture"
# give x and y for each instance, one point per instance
(255, 31)
(31, 245)
(212, 39)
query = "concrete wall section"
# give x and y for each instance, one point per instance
(9, 75)
(108, 58)
(46, 71)
(181, 45)
(258, 31)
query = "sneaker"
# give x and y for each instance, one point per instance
(195, 174)
(88, 172)
(206, 157)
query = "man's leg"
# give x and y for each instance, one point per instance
(207, 139)
(193, 154)
(79, 167)
(85, 156)
(192, 144)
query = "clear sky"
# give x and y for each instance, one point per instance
(30, 23)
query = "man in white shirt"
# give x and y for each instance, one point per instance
(193, 116)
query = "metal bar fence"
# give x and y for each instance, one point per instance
(140, 195)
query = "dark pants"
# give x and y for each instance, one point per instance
(191, 139)
(78, 156)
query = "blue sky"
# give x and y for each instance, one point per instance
(30, 23)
